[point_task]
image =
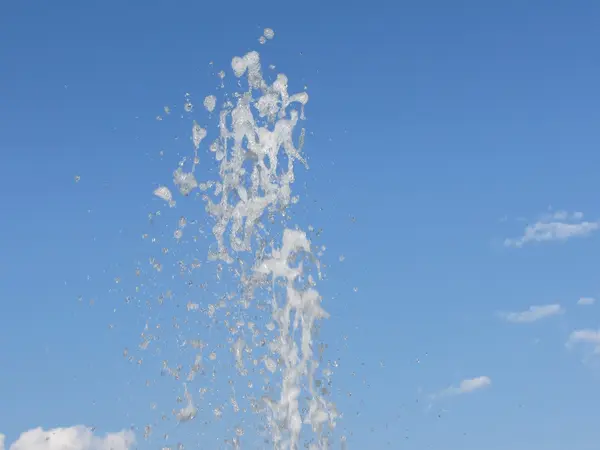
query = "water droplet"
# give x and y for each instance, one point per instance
(210, 102)
(269, 33)
(270, 365)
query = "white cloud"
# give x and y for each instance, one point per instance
(467, 386)
(586, 301)
(558, 226)
(533, 314)
(72, 438)
(587, 336)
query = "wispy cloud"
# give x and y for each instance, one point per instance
(72, 438)
(586, 301)
(465, 387)
(533, 314)
(557, 226)
(587, 336)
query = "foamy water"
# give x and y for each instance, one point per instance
(257, 148)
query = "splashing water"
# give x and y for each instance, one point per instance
(256, 155)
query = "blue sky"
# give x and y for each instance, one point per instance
(439, 131)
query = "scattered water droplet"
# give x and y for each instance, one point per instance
(252, 194)
(269, 33)
(210, 102)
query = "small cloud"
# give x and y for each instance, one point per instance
(586, 301)
(587, 336)
(533, 314)
(73, 438)
(466, 386)
(557, 226)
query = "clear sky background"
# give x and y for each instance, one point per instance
(440, 130)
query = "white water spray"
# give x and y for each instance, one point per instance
(255, 132)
